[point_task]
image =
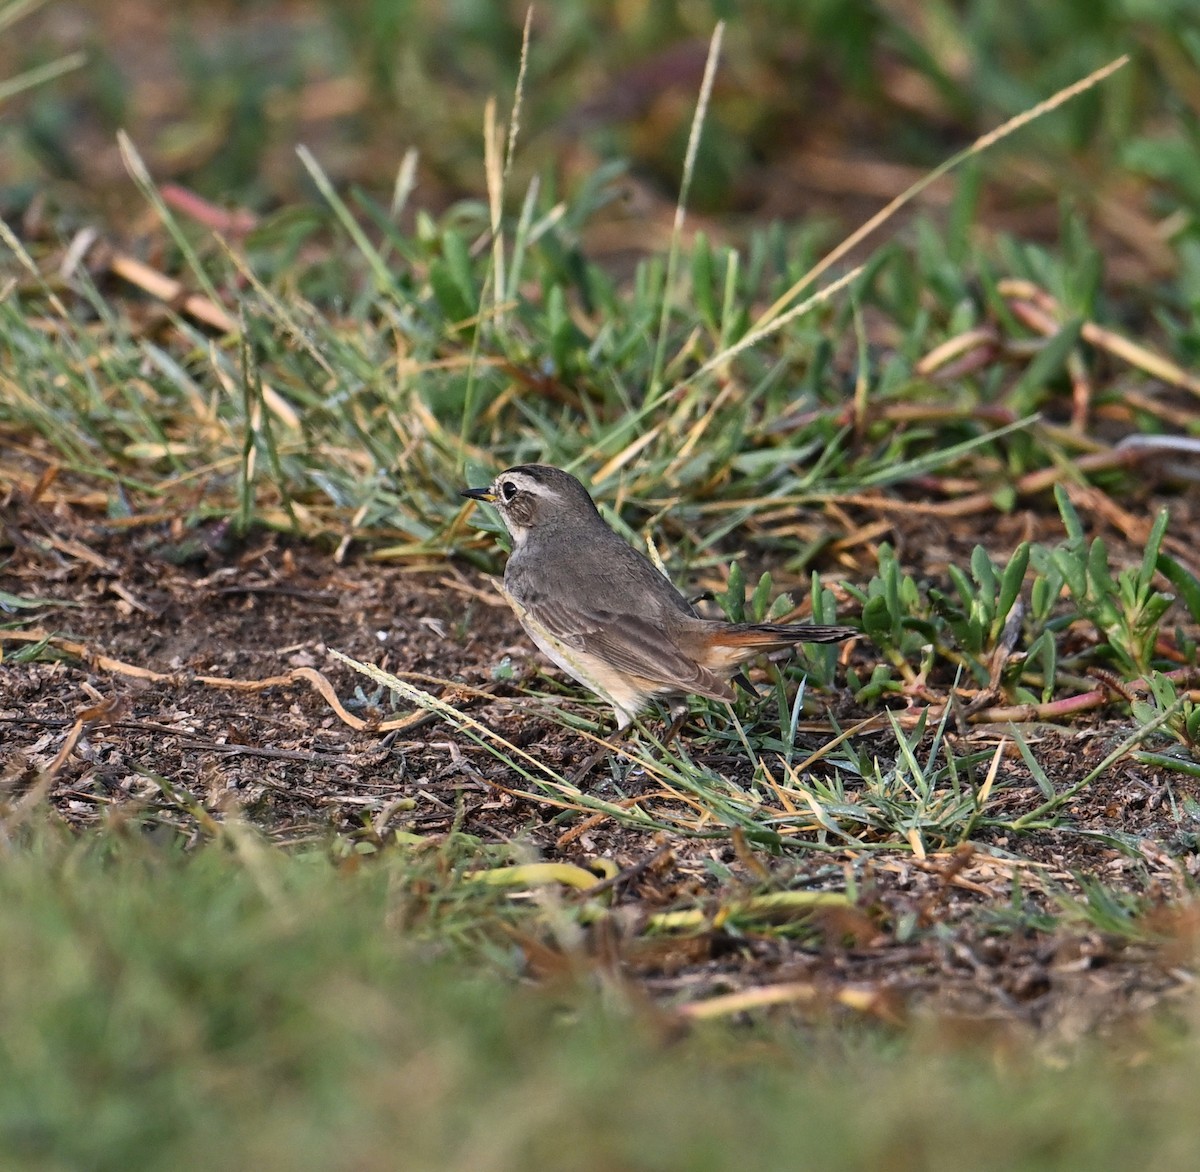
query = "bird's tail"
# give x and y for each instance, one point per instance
(776, 636)
(726, 645)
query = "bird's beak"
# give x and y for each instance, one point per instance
(479, 494)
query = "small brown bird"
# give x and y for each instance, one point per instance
(602, 611)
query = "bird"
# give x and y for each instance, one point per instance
(604, 613)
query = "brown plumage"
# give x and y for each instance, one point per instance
(602, 611)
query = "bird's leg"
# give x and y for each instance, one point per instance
(605, 749)
(678, 712)
(679, 715)
(579, 775)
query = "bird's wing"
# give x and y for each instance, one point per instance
(632, 645)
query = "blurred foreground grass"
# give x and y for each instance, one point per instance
(239, 1007)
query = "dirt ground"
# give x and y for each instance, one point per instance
(939, 933)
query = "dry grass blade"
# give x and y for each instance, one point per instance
(565, 795)
(41, 74)
(167, 289)
(30, 266)
(765, 328)
(1044, 314)
(689, 167)
(865, 999)
(983, 143)
(536, 875)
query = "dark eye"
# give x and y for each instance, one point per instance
(508, 490)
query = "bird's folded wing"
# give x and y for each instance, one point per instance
(631, 645)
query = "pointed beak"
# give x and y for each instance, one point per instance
(479, 494)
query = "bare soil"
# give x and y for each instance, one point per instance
(942, 932)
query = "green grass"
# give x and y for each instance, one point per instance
(905, 77)
(360, 373)
(236, 1005)
(337, 376)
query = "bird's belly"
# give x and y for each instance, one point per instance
(624, 694)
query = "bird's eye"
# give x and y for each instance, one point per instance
(508, 490)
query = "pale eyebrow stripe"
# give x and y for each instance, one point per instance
(529, 484)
